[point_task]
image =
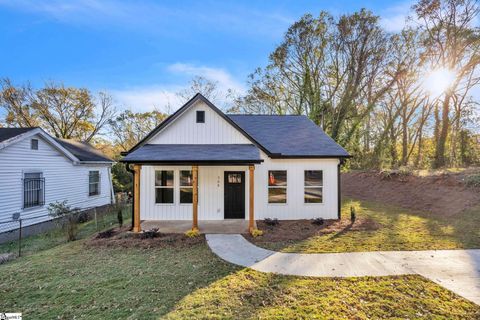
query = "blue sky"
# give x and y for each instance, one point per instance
(142, 52)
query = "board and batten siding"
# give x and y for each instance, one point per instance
(296, 208)
(185, 130)
(211, 192)
(216, 130)
(63, 180)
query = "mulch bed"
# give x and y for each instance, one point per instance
(295, 230)
(121, 237)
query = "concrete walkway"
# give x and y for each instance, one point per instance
(456, 270)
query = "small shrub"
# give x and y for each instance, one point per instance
(105, 234)
(66, 217)
(256, 232)
(473, 181)
(83, 217)
(318, 221)
(353, 214)
(401, 174)
(150, 234)
(271, 222)
(120, 218)
(192, 233)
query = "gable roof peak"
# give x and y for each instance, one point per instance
(197, 97)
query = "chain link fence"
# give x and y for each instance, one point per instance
(20, 236)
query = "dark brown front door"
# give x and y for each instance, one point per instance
(234, 195)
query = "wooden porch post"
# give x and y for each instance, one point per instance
(195, 197)
(136, 196)
(251, 215)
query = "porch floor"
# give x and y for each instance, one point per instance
(228, 226)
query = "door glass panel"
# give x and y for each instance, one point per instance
(234, 178)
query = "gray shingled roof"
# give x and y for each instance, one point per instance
(8, 133)
(198, 153)
(83, 151)
(294, 136)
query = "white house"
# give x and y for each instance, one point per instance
(201, 164)
(37, 169)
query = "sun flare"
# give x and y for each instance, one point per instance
(438, 81)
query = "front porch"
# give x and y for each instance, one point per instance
(228, 226)
(209, 188)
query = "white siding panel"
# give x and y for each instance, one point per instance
(295, 208)
(63, 180)
(211, 195)
(185, 130)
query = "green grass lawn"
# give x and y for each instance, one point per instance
(55, 237)
(397, 229)
(188, 282)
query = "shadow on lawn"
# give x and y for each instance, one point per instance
(380, 227)
(248, 294)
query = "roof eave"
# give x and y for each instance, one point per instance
(319, 156)
(96, 162)
(193, 162)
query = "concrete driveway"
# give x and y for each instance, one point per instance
(456, 270)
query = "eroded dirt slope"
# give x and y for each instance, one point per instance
(444, 194)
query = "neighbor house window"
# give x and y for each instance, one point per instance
(313, 186)
(33, 190)
(164, 186)
(277, 186)
(93, 183)
(200, 116)
(186, 186)
(34, 144)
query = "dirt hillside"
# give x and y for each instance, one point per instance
(444, 194)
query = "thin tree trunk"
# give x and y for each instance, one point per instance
(404, 141)
(442, 134)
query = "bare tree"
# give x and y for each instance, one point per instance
(68, 113)
(452, 43)
(198, 84)
(128, 127)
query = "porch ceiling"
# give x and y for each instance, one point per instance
(213, 154)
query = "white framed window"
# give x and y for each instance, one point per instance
(186, 186)
(200, 116)
(164, 186)
(277, 186)
(33, 189)
(34, 144)
(94, 183)
(313, 186)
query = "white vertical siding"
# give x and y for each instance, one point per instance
(295, 208)
(185, 130)
(211, 192)
(63, 180)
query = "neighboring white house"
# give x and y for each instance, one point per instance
(295, 168)
(37, 169)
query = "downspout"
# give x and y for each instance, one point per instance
(112, 193)
(127, 166)
(339, 188)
